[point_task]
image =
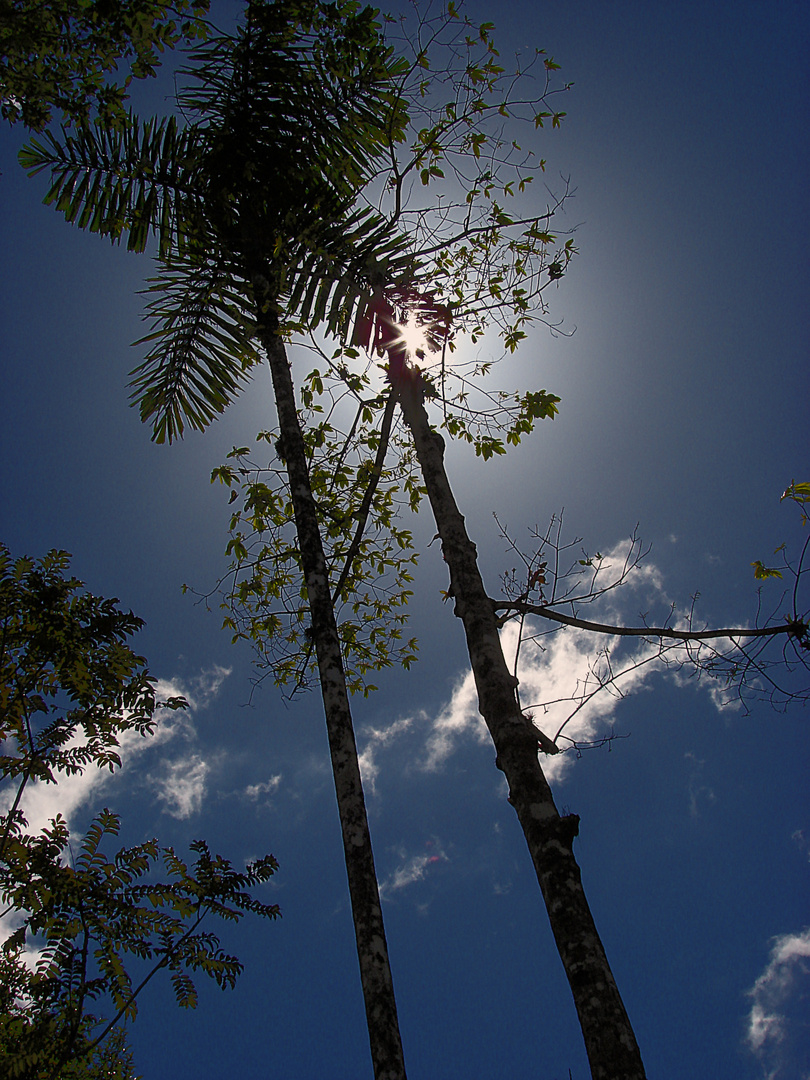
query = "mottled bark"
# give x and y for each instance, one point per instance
(609, 1040)
(372, 950)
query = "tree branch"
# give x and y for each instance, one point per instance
(794, 628)
(368, 496)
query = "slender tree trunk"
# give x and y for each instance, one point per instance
(372, 950)
(609, 1039)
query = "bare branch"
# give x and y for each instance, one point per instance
(797, 628)
(740, 658)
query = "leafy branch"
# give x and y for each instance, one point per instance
(71, 689)
(87, 915)
(369, 555)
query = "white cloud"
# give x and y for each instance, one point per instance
(554, 673)
(204, 687)
(376, 739)
(42, 802)
(563, 685)
(565, 679)
(413, 868)
(561, 675)
(182, 785)
(458, 719)
(253, 791)
(773, 1033)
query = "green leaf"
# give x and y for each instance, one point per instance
(761, 571)
(798, 492)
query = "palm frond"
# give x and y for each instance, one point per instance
(354, 256)
(293, 113)
(287, 121)
(123, 184)
(202, 350)
(310, 82)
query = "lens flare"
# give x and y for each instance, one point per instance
(413, 337)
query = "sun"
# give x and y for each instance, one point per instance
(413, 336)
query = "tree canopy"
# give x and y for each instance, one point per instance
(61, 59)
(89, 930)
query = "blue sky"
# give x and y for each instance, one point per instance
(684, 402)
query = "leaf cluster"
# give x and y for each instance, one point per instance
(70, 688)
(502, 421)
(64, 56)
(91, 921)
(364, 476)
(70, 684)
(799, 494)
(370, 556)
(461, 182)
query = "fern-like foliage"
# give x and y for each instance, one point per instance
(370, 555)
(105, 926)
(285, 122)
(202, 349)
(126, 183)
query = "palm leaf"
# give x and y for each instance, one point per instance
(202, 350)
(287, 121)
(289, 125)
(202, 353)
(123, 184)
(354, 256)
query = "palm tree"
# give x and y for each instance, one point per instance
(253, 207)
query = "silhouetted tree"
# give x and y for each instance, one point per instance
(101, 928)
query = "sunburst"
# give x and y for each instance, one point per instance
(413, 337)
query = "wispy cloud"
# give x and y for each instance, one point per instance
(566, 681)
(700, 793)
(201, 690)
(181, 785)
(777, 1035)
(413, 868)
(459, 719)
(269, 787)
(564, 685)
(76, 793)
(561, 675)
(801, 842)
(42, 802)
(377, 739)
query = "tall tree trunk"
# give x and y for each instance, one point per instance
(609, 1039)
(372, 950)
